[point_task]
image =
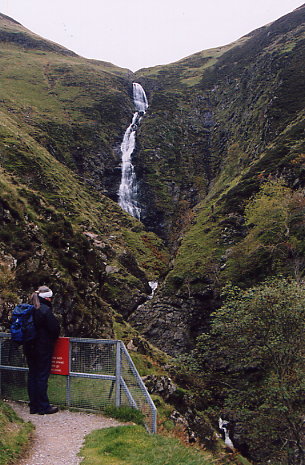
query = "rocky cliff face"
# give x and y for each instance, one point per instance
(215, 112)
(220, 122)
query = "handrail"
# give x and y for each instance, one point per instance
(116, 362)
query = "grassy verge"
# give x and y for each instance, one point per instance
(14, 434)
(131, 445)
(125, 413)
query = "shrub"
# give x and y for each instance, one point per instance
(253, 358)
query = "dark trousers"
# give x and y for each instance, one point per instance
(39, 363)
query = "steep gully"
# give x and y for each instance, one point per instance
(128, 190)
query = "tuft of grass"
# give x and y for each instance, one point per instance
(131, 445)
(125, 413)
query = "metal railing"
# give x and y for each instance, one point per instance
(101, 374)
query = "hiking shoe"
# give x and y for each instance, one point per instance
(49, 411)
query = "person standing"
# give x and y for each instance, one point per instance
(39, 351)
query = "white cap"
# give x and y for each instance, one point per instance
(44, 295)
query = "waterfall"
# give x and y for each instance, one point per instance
(139, 97)
(128, 191)
(153, 285)
(223, 427)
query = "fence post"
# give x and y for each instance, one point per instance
(68, 379)
(118, 375)
(154, 420)
(0, 368)
(116, 367)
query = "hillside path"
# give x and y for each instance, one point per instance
(59, 437)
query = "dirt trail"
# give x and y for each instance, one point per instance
(59, 437)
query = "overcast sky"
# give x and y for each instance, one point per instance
(143, 33)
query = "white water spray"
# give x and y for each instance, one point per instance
(128, 190)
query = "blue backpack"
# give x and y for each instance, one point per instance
(23, 325)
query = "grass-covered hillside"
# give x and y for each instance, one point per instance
(221, 124)
(221, 157)
(61, 120)
(213, 114)
(220, 163)
(77, 109)
(132, 445)
(15, 435)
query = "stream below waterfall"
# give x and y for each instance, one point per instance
(128, 190)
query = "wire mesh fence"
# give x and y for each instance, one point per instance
(101, 374)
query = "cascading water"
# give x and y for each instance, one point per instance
(223, 427)
(128, 190)
(153, 285)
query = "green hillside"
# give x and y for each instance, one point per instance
(61, 119)
(207, 146)
(219, 162)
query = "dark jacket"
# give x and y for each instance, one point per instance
(47, 325)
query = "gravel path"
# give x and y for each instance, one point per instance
(59, 437)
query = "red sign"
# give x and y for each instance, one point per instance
(60, 359)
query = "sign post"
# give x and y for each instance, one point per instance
(60, 359)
